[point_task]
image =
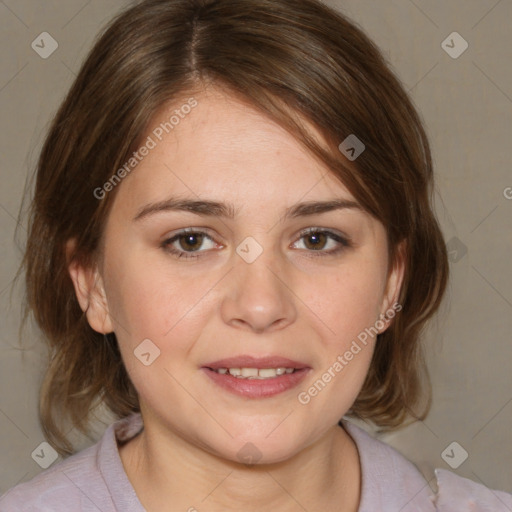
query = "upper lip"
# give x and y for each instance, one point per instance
(246, 361)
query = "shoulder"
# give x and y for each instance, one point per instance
(459, 493)
(86, 481)
(56, 488)
(391, 482)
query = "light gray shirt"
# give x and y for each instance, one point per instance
(94, 480)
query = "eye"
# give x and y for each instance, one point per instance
(314, 240)
(188, 241)
(323, 242)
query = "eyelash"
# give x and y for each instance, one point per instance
(343, 241)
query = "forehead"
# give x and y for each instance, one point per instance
(226, 149)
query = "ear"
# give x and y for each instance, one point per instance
(90, 292)
(393, 285)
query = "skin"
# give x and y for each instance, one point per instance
(290, 301)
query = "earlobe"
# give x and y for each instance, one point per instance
(90, 292)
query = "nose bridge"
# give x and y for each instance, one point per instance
(258, 297)
(258, 271)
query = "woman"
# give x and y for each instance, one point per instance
(232, 247)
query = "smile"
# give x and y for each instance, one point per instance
(255, 373)
(256, 383)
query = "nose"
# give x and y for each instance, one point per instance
(258, 297)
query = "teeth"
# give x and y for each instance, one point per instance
(255, 373)
(271, 372)
(249, 372)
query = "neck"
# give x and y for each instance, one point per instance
(175, 475)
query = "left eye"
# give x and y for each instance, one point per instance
(323, 242)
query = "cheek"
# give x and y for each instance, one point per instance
(146, 299)
(346, 301)
(347, 305)
(148, 302)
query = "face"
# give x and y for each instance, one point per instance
(230, 247)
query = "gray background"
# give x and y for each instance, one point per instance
(466, 103)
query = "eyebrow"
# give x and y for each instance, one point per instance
(228, 211)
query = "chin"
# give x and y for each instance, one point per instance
(258, 448)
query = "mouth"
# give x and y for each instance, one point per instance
(252, 377)
(255, 373)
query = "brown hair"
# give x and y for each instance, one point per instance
(285, 57)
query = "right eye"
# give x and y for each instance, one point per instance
(186, 242)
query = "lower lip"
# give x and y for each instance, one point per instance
(257, 388)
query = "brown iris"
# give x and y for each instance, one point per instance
(191, 242)
(319, 240)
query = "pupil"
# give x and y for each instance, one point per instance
(317, 238)
(193, 242)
